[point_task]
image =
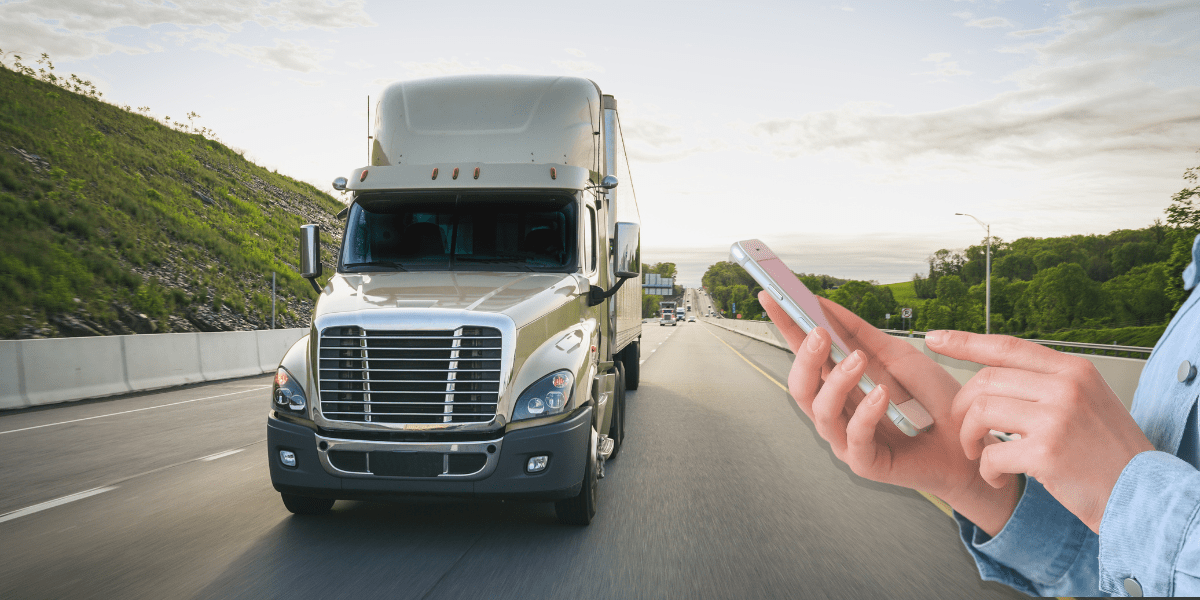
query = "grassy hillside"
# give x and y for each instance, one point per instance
(116, 223)
(905, 295)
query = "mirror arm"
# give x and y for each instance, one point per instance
(597, 295)
(313, 281)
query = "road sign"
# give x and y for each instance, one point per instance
(906, 313)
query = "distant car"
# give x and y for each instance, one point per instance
(666, 321)
(692, 319)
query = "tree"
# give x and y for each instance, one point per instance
(1063, 296)
(1139, 297)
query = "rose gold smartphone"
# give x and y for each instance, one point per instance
(801, 305)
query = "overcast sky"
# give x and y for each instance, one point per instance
(844, 134)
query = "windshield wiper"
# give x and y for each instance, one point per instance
(377, 263)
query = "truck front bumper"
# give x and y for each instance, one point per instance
(330, 467)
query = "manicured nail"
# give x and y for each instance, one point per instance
(875, 396)
(851, 362)
(813, 343)
(935, 337)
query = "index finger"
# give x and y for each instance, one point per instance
(996, 351)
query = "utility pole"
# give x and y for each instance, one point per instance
(988, 294)
(272, 299)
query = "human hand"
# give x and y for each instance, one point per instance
(932, 461)
(1076, 436)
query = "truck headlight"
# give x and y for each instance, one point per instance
(286, 393)
(549, 396)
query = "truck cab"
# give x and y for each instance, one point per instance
(482, 322)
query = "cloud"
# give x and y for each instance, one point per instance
(575, 52)
(80, 28)
(441, 66)
(287, 55)
(1087, 94)
(1030, 32)
(942, 68)
(578, 66)
(990, 23)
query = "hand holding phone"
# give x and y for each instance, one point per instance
(803, 307)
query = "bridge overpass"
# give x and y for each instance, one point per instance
(723, 490)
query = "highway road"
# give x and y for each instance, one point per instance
(723, 490)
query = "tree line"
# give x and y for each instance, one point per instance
(1124, 284)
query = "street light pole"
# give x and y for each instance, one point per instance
(988, 294)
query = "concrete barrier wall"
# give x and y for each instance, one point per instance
(35, 372)
(1121, 374)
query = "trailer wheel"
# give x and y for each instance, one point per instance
(304, 505)
(580, 509)
(631, 357)
(616, 428)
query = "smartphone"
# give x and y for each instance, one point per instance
(801, 305)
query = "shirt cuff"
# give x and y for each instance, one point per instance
(1040, 550)
(1149, 531)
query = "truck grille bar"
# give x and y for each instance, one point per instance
(401, 377)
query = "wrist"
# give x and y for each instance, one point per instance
(987, 507)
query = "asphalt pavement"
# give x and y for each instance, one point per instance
(723, 490)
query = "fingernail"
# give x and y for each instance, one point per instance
(875, 396)
(813, 343)
(851, 362)
(934, 337)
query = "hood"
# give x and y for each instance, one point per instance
(521, 296)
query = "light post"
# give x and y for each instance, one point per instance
(988, 294)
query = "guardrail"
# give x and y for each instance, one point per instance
(1076, 347)
(36, 372)
(1121, 373)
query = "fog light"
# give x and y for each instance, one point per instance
(536, 406)
(287, 457)
(537, 464)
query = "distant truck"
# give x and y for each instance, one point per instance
(484, 318)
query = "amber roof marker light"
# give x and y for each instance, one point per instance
(476, 172)
(434, 173)
(553, 173)
(454, 175)
(363, 177)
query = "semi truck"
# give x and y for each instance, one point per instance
(482, 322)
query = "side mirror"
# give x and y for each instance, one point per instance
(339, 184)
(310, 253)
(626, 249)
(609, 182)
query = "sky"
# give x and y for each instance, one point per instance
(844, 134)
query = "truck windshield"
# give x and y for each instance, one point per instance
(481, 231)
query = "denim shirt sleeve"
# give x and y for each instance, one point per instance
(1043, 550)
(1150, 530)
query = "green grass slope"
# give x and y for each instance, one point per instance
(115, 223)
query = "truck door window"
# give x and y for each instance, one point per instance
(461, 232)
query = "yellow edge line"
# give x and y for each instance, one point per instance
(754, 366)
(938, 502)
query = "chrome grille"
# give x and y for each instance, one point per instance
(380, 376)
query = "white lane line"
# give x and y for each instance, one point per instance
(16, 514)
(222, 454)
(125, 412)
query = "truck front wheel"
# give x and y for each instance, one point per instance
(580, 509)
(616, 427)
(304, 505)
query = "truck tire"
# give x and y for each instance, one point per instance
(631, 357)
(616, 428)
(580, 509)
(303, 505)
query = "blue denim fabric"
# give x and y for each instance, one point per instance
(1150, 531)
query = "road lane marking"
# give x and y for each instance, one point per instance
(16, 514)
(938, 502)
(222, 454)
(125, 412)
(764, 373)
